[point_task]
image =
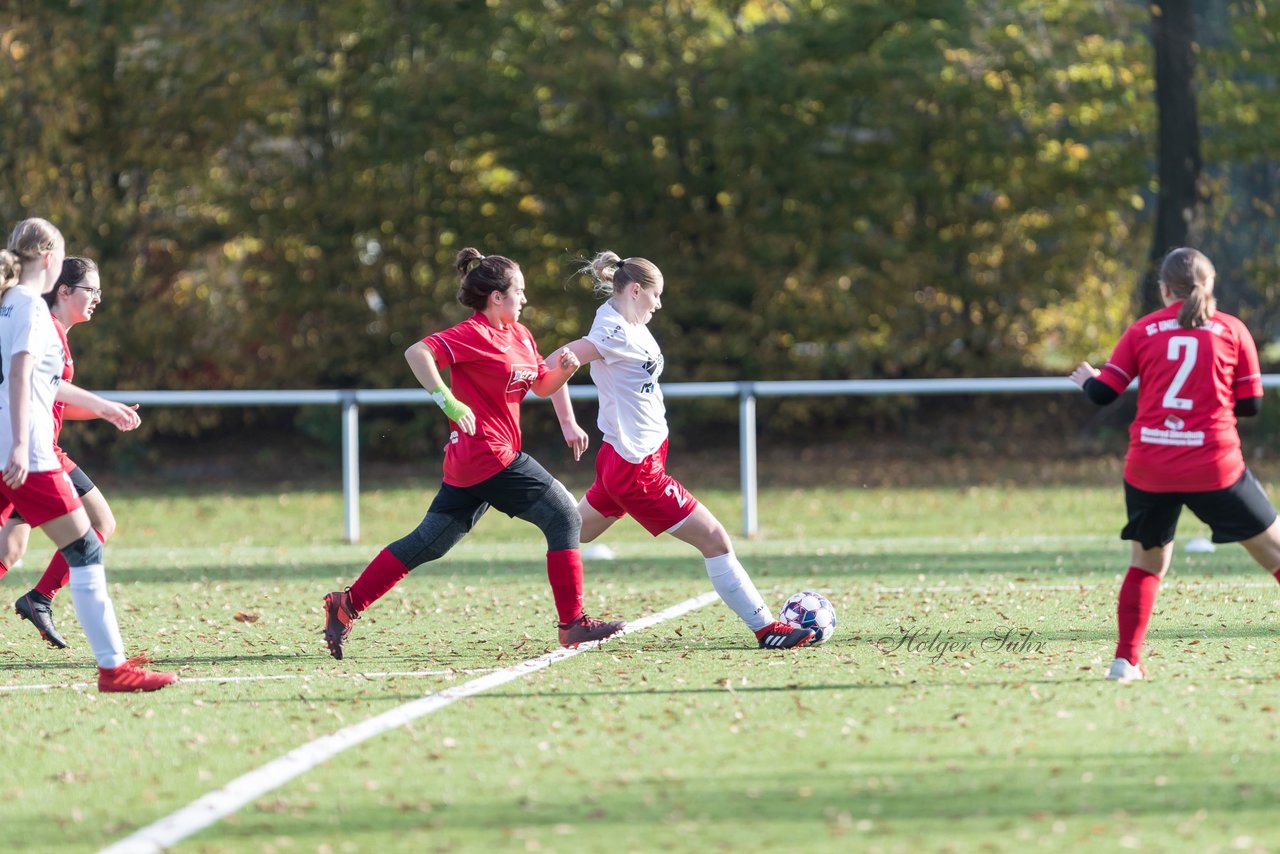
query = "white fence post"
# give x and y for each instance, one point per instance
(747, 457)
(350, 467)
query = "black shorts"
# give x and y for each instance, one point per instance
(513, 490)
(79, 482)
(1239, 512)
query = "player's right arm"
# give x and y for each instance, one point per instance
(1104, 386)
(584, 350)
(423, 365)
(21, 366)
(1086, 376)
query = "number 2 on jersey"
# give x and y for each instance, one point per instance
(1182, 347)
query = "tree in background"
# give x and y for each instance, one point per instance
(947, 187)
(1181, 198)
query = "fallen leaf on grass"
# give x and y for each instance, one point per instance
(242, 617)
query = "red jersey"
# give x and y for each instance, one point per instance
(68, 371)
(1184, 437)
(491, 371)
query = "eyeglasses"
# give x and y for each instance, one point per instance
(96, 293)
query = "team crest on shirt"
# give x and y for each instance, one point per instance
(522, 377)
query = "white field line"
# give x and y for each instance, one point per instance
(247, 788)
(306, 677)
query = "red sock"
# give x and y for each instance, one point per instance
(4, 569)
(57, 573)
(1275, 572)
(564, 571)
(1133, 612)
(382, 573)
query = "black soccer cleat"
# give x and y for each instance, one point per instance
(780, 635)
(37, 608)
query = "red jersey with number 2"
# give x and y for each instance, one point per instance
(491, 370)
(1184, 437)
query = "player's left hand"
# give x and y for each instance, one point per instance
(123, 418)
(576, 438)
(1084, 371)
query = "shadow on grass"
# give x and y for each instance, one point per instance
(912, 798)
(905, 569)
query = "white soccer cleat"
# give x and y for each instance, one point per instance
(1122, 671)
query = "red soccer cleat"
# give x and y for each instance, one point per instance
(586, 629)
(131, 677)
(780, 635)
(338, 617)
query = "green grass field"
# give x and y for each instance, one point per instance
(1001, 734)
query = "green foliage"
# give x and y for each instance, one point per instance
(276, 194)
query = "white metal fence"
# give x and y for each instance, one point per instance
(350, 401)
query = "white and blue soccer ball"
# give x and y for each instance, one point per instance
(809, 610)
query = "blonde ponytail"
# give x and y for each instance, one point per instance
(611, 273)
(10, 271)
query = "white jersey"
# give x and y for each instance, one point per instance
(633, 417)
(27, 327)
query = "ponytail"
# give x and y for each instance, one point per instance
(611, 274)
(1197, 308)
(10, 271)
(603, 270)
(1189, 276)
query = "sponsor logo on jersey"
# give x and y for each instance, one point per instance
(1173, 422)
(653, 364)
(522, 377)
(1181, 438)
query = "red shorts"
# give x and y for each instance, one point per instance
(46, 495)
(654, 498)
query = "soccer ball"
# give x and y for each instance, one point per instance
(808, 610)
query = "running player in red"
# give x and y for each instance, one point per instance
(493, 363)
(73, 300)
(33, 479)
(631, 475)
(1199, 371)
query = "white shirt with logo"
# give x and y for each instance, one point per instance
(633, 417)
(27, 327)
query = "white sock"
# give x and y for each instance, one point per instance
(734, 586)
(96, 614)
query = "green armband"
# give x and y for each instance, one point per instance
(453, 408)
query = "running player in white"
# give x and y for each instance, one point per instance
(631, 474)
